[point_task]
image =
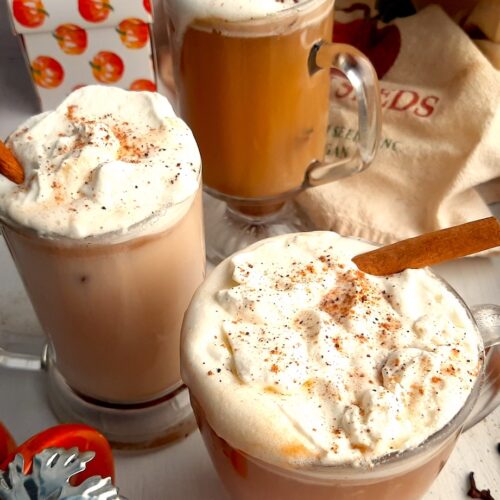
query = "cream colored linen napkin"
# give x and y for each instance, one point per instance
(440, 137)
(479, 18)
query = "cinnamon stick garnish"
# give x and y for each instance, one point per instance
(9, 166)
(431, 248)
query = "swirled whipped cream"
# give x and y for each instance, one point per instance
(105, 160)
(297, 357)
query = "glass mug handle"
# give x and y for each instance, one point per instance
(363, 78)
(11, 358)
(20, 360)
(487, 318)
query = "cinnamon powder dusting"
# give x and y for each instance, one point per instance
(352, 289)
(337, 350)
(295, 451)
(133, 148)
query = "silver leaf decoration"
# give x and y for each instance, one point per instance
(53, 468)
(49, 479)
(15, 488)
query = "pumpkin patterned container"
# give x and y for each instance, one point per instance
(72, 44)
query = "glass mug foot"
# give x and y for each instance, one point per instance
(129, 427)
(229, 229)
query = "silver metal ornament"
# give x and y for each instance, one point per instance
(49, 479)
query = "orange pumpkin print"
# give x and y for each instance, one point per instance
(47, 72)
(134, 33)
(107, 67)
(29, 13)
(94, 11)
(71, 38)
(143, 84)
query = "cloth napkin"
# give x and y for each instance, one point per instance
(479, 18)
(440, 143)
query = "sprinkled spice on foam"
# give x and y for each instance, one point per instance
(358, 366)
(84, 156)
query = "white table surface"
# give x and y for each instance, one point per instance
(183, 470)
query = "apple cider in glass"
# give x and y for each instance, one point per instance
(246, 91)
(253, 81)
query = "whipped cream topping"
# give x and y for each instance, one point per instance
(105, 160)
(184, 12)
(298, 357)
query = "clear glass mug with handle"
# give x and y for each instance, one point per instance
(255, 92)
(111, 308)
(406, 474)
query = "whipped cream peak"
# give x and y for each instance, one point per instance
(105, 160)
(296, 356)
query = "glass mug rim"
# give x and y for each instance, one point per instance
(389, 462)
(99, 238)
(115, 236)
(261, 20)
(268, 188)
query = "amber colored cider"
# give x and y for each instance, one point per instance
(246, 91)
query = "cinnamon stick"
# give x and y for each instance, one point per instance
(9, 166)
(431, 248)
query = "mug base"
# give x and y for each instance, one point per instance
(228, 229)
(128, 427)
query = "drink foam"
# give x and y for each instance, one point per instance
(298, 357)
(104, 161)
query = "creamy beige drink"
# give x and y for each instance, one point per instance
(307, 374)
(107, 235)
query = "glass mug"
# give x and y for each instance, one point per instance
(256, 95)
(112, 307)
(408, 474)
